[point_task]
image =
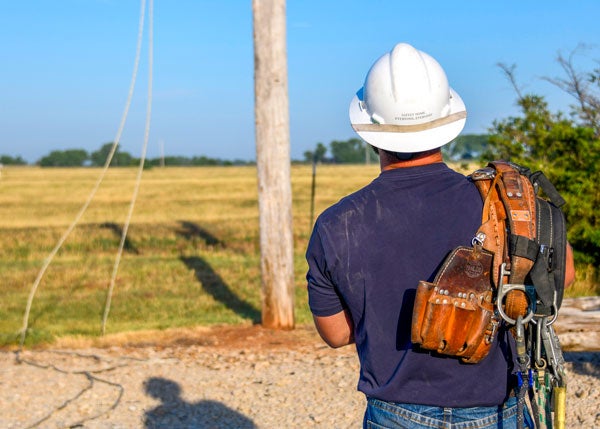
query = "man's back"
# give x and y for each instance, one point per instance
(368, 253)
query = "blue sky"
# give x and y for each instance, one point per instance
(66, 66)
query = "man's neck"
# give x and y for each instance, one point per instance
(390, 162)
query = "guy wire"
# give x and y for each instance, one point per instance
(139, 173)
(96, 186)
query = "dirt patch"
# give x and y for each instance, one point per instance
(578, 327)
(218, 336)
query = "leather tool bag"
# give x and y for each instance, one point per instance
(454, 315)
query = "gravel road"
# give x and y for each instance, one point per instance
(224, 377)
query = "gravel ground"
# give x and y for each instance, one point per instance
(191, 386)
(208, 378)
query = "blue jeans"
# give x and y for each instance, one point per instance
(386, 415)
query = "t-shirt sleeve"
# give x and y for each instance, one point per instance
(323, 296)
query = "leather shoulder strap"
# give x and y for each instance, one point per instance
(518, 196)
(492, 232)
(509, 224)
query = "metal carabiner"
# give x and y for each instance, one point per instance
(554, 310)
(556, 361)
(540, 362)
(522, 355)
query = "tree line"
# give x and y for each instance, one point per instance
(81, 158)
(352, 151)
(356, 151)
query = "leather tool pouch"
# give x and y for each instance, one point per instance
(454, 315)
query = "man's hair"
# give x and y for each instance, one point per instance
(402, 156)
(405, 156)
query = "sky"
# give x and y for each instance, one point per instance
(66, 67)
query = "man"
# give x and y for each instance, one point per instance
(368, 252)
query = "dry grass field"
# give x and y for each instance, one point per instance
(191, 257)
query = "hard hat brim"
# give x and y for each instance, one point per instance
(408, 139)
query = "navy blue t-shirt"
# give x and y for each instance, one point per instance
(368, 252)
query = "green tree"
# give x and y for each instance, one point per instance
(353, 151)
(318, 155)
(204, 160)
(9, 160)
(568, 152)
(64, 158)
(466, 147)
(121, 159)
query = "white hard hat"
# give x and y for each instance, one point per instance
(406, 104)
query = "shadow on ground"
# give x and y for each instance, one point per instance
(584, 363)
(127, 246)
(176, 413)
(191, 231)
(213, 284)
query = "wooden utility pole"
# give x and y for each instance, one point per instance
(271, 112)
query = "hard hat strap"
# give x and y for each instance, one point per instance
(394, 128)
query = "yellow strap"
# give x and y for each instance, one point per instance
(560, 407)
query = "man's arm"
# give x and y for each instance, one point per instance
(336, 330)
(570, 267)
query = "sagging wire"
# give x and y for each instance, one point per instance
(139, 173)
(24, 328)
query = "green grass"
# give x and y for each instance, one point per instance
(191, 258)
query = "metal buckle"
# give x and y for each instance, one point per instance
(478, 239)
(504, 289)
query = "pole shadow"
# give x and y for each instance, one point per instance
(213, 284)
(127, 246)
(176, 413)
(191, 231)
